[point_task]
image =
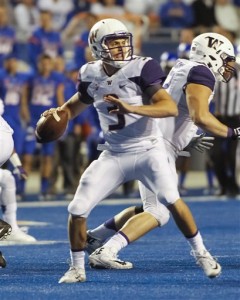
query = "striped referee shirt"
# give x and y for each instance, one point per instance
(227, 97)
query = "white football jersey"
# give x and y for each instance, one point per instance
(128, 132)
(178, 131)
(6, 141)
(4, 126)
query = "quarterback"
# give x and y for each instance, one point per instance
(127, 93)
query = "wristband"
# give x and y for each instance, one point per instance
(15, 161)
(230, 132)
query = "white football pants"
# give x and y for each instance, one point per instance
(6, 146)
(7, 188)
(149, 199)
(106, 174)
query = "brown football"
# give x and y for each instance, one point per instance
(51, 127)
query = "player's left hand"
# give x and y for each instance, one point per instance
(20, 173)
(121, 106)
(202, 142)
(50, 111)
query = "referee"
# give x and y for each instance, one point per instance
(223, 153)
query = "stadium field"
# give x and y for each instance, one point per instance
(163, 267)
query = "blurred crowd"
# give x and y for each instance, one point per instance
(43, 43)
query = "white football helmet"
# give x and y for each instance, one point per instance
(110, 29)
(215, 51)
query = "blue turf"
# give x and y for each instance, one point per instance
(163, 267)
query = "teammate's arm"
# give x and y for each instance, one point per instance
(197, 96)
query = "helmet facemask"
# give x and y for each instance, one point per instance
(124, 53)
(226, 70)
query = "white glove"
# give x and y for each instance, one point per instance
(201, 142)
(1, 107)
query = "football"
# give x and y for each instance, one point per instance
(51, 127)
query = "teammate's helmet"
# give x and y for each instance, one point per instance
(167, 61)
(215, 51)
(109, 29)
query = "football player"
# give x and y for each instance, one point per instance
(6, 146)
(13, 92)
(44, 39)
(191, 84)
(47, 90)
(134, 148)
(8, 201)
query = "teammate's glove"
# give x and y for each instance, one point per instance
(20, 173)
(202, 142)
